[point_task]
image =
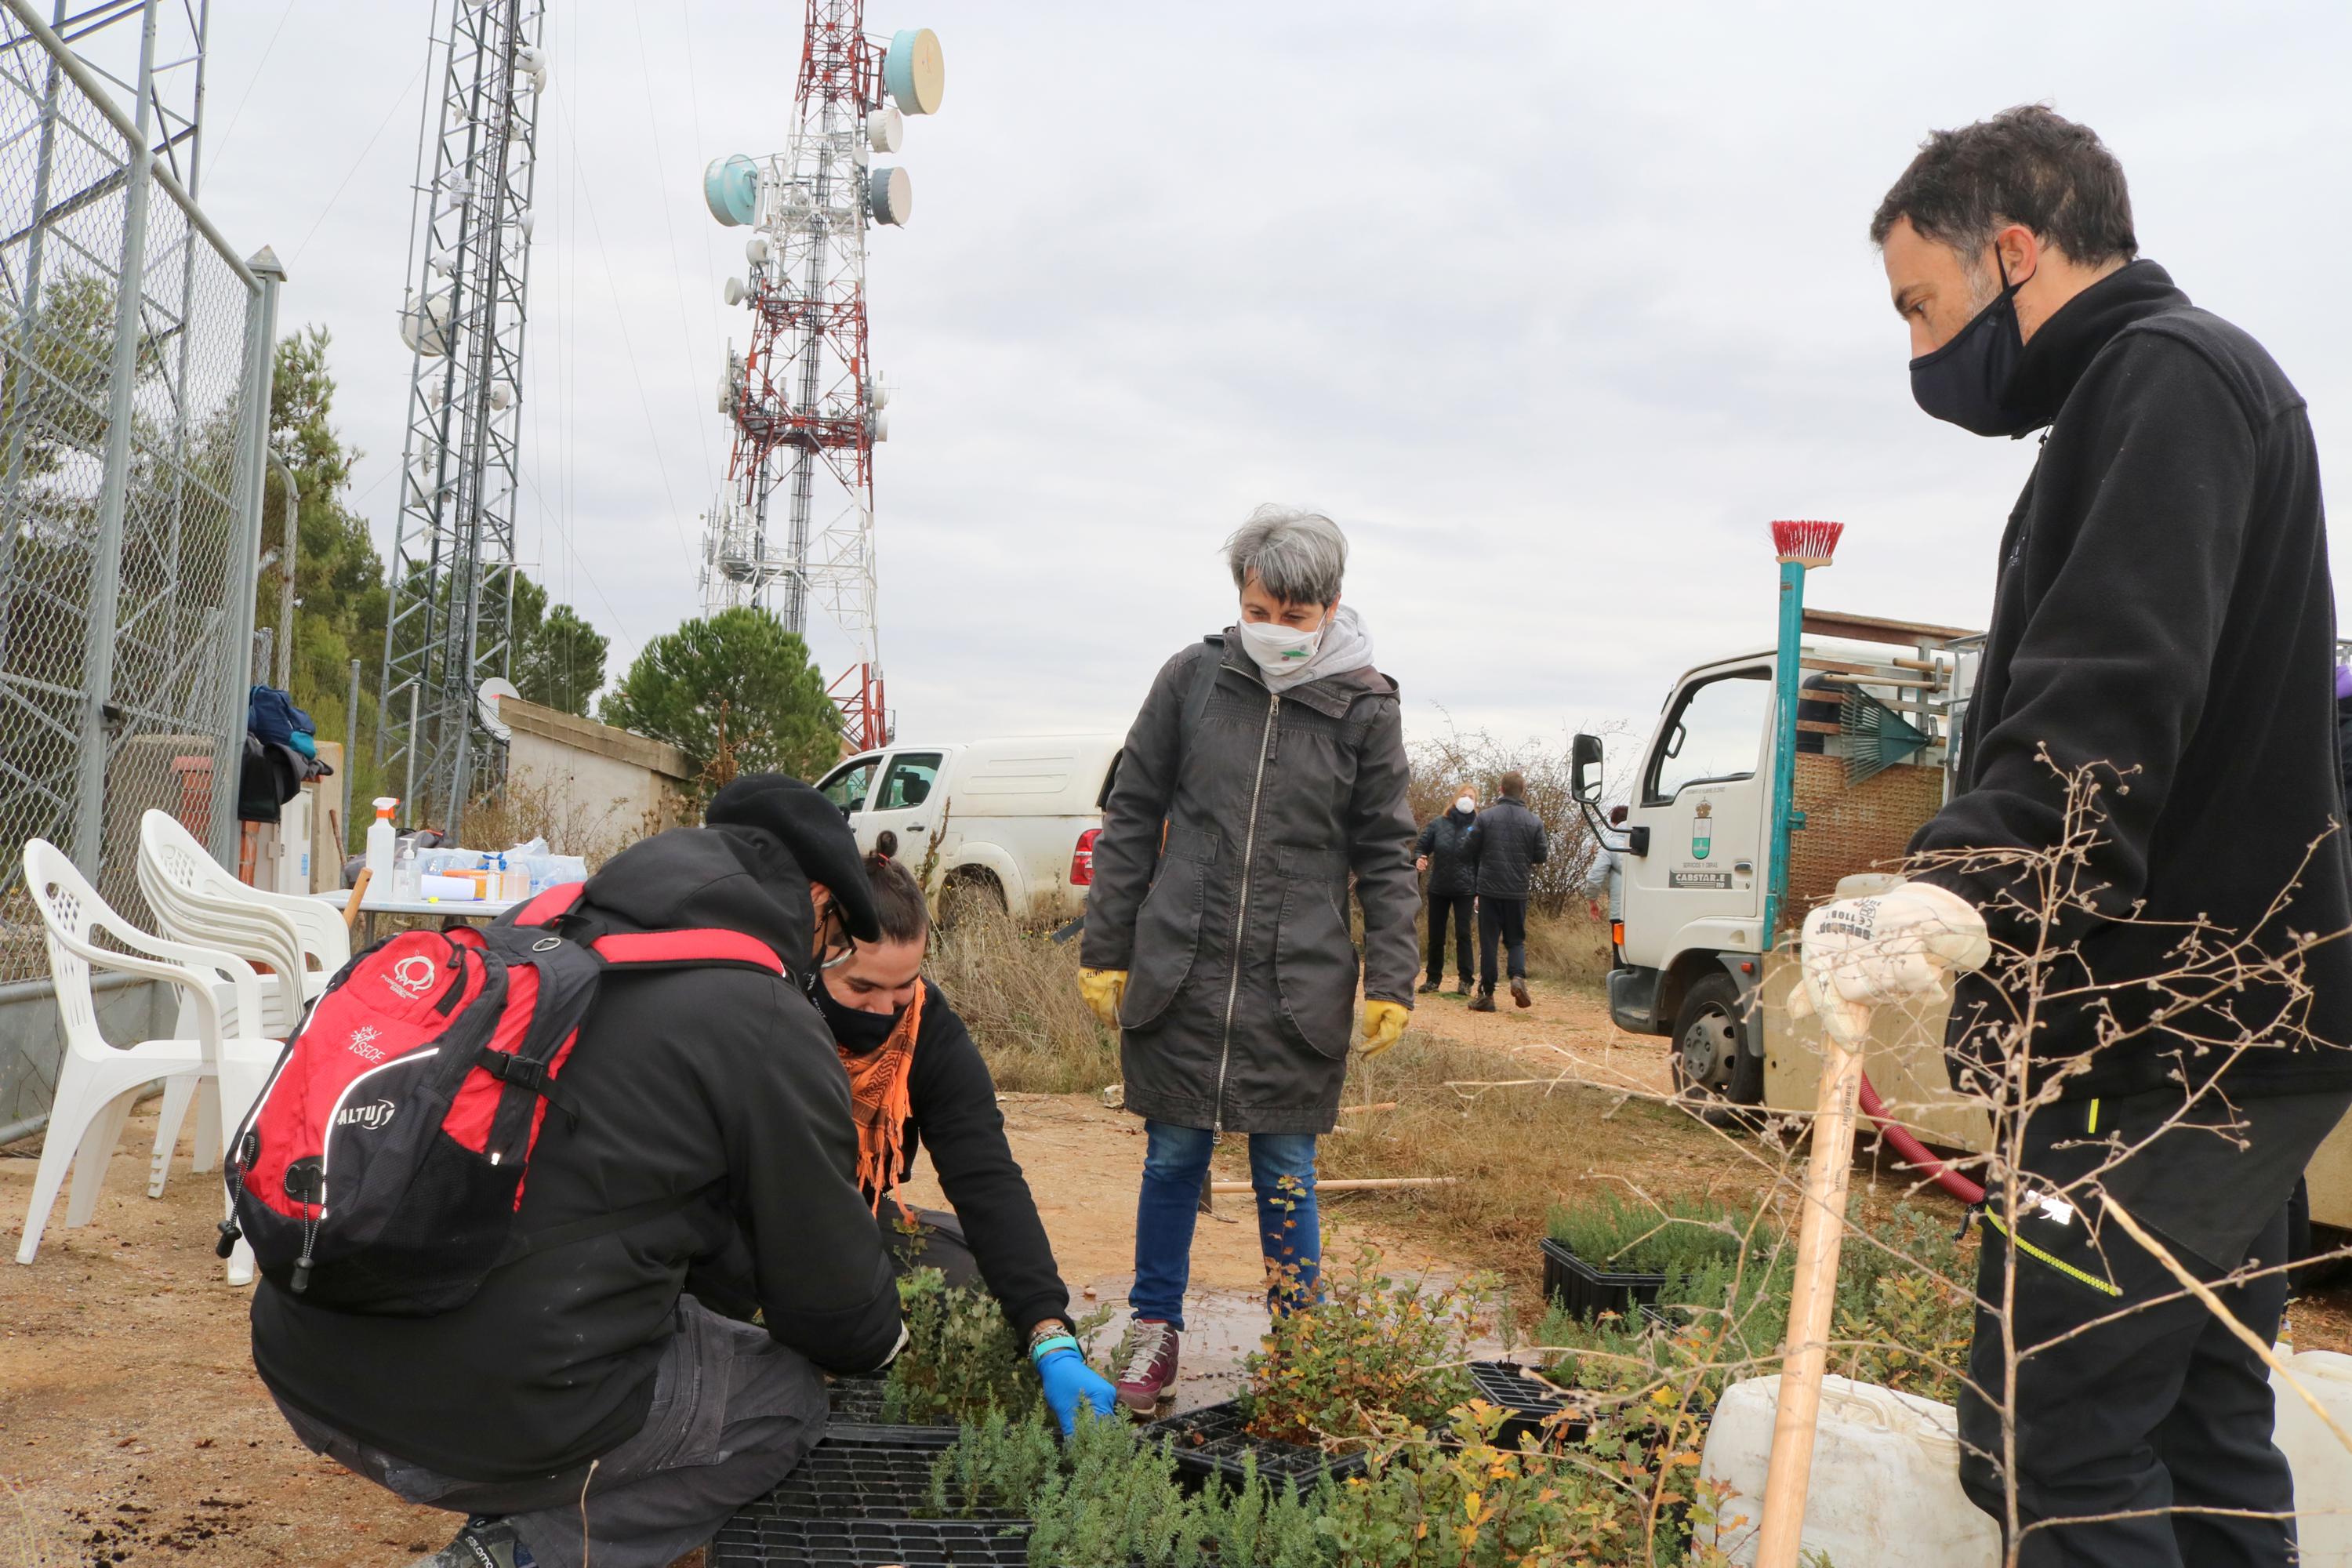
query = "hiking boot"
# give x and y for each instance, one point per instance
(1461, 988)
(1150, 1372)
(1430, 989)
(483, 1544)
(1519, 991)
(1483, 1001)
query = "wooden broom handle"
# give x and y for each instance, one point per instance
(1820, 1229)
(351, 905)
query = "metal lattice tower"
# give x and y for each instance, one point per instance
(804, 399)
(452, 581)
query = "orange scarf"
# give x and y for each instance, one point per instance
(881, 1102)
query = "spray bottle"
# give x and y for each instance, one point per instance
(380, 834)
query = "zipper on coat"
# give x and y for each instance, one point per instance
(1241, 913)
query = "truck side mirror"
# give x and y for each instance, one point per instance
(1584, 759)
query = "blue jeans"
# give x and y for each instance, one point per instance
(1175, 1164)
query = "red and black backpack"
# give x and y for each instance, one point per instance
(381, 1169)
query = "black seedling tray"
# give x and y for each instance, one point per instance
(857, 1399)
(863, 1472)
(1526, 1402)
(858, 1402)
(1588, 1292)
(1211, 1441)
(753, 1539)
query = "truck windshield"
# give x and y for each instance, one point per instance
(1716, 734)
(847, 788)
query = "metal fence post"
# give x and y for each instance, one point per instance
(106, 557)
(245, 552)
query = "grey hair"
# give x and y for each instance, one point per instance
(1298, 555)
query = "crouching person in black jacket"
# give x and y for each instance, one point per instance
(606, 1398)
(915, 1077)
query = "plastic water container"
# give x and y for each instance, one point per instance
(2323, 1469)
(1886, 1483)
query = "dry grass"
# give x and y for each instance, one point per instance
(1018, 991)
(1570, 949)
(1516, 1151)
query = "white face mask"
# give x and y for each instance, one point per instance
(1466, 804)
(1278, 649)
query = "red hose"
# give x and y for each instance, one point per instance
(1916, 1152)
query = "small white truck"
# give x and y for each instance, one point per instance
(1879, 704)
(1010, 823)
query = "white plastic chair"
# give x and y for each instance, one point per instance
(97, 1082)
(196, 900)
(302, 940)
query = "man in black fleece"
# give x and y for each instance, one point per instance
(592, 1389)
(2162, 618)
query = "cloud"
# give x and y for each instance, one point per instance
(1554, 307)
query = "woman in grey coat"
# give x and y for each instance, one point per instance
(1266, 771)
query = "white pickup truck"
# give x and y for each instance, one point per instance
(1011, 822)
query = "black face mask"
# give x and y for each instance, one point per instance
(852, 1030)
(1963, 382)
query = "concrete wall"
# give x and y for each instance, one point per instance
(598, 788)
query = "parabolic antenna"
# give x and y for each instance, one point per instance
(913, 70)
(731, 189)
(886, 130)
(891, 193)
(487, 696)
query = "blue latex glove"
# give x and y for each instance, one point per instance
(1070, 1382)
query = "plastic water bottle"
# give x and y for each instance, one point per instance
(380, 835)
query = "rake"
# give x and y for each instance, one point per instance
(1876, 736)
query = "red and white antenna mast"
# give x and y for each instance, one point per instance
(804, 399)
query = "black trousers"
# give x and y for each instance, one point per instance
(1507, 919)
(1459, 906)
(2131, 1398)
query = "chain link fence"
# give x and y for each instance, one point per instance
(135, 377)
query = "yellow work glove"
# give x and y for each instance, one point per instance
(1383, 1022)
(1103, 988)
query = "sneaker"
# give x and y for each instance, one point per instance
(1483, 1001)
(1461, 988)
(1430, 989)
(1519, 991)
(1150, 1372)
(483, 1544)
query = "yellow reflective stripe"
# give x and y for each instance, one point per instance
(2060, 1264)
(2093, 1127)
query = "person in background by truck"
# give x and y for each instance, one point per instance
(2162, 616)
(916, 1077)
(1509, 845)
(1264, 773)
(1444, 851)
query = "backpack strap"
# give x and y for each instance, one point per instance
(556, 901)
(703, 948)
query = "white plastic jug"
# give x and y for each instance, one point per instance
(2323, 1469)
(1885, 1484)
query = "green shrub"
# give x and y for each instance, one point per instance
(1625, 1235)
(1372, 1347)
(963, 1357)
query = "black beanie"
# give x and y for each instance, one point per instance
(814, 829)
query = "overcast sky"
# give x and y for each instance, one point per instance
(1551, 306)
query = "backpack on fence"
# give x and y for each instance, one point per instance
(381, 1169)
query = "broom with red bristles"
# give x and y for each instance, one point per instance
(1804, 545)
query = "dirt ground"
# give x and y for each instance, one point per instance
(132, 1430)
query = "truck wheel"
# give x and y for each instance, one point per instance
(1711, 1055)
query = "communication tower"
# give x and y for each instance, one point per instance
(805, 401)
(452, 582)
